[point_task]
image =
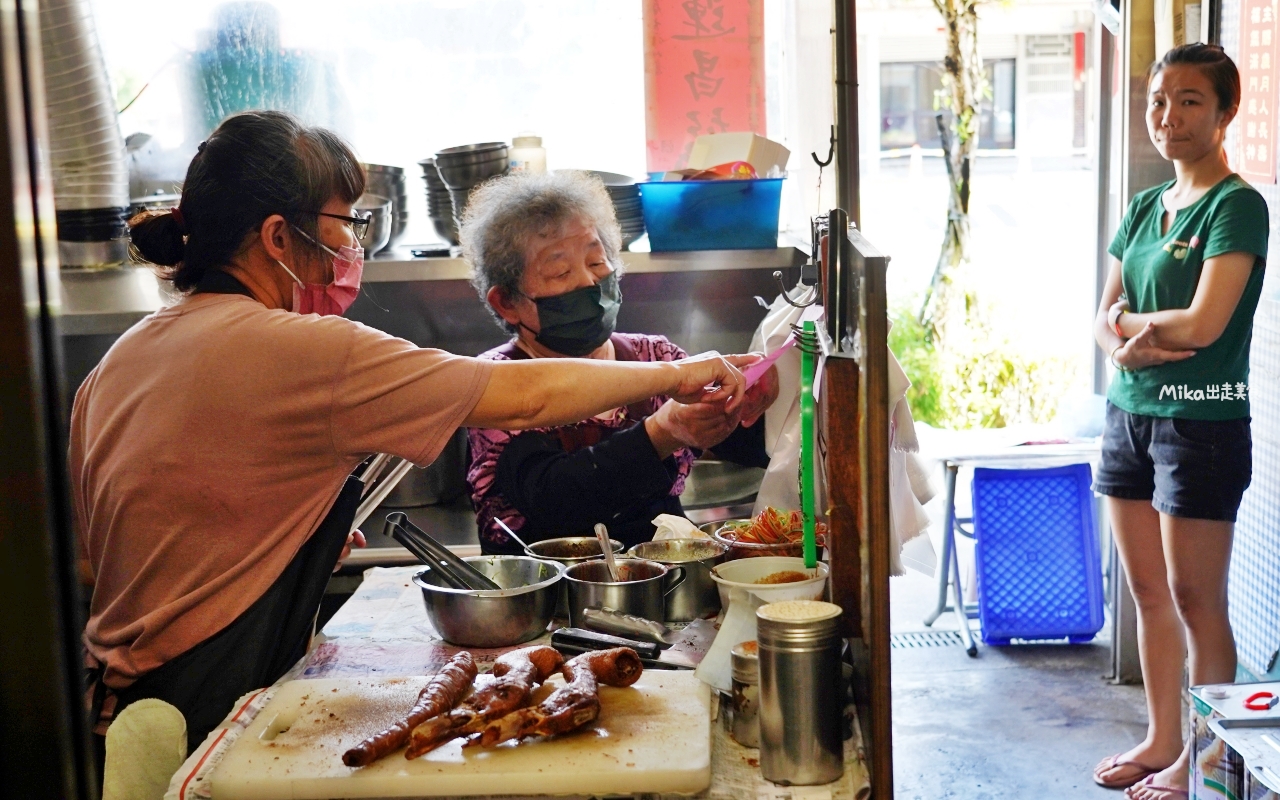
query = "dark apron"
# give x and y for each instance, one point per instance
(261, 644)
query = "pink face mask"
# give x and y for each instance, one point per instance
(333, 298)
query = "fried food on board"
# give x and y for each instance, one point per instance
(572, 705)
(515, 675)
(439, 696)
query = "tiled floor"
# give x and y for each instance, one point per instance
(1015, 722)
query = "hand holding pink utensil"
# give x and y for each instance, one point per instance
(756, 371)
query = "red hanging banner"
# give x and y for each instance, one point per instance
(704, 73)
(1256, 159)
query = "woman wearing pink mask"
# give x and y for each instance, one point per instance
(211, 448)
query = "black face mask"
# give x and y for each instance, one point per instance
(577, 322)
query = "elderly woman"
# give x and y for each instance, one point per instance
(544, 252)
(211, 449)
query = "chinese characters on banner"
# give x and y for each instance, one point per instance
(704, 73)
(1256, 120)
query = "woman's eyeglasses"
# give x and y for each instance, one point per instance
(358, 224)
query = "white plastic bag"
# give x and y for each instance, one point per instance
(780, 487)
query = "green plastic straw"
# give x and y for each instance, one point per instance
(807, 366)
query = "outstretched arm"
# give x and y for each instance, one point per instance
(546, 392)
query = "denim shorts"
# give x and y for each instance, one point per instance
(1186, 467)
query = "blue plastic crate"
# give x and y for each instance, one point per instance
(711, 215)
(1039, 569)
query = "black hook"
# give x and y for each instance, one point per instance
(831, 152)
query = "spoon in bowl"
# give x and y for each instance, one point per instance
(602, 533)
(515, 538)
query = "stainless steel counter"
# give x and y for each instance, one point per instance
(110, 301)
(702, 300)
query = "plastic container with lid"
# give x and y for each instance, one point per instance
(1217, 770)
(528, 155)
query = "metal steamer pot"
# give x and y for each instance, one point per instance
(696, 596)
(642, 592)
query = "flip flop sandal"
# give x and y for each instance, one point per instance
(1163, 792)
(1129, 779)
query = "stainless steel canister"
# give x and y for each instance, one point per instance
(801, 704)
(744, 710)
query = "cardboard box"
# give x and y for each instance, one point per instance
(1171, 28)
(713, 149)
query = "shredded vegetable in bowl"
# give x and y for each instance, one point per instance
(771, 526)
(771, 533)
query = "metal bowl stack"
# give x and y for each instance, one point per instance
(439, 204)
(626, 204)
(389, 182)
(466, 167)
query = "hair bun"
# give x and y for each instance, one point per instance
(157, 238)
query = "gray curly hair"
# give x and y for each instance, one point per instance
(503, 214)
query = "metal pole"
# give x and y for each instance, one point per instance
(1106, 99)
(847, 165)
(44, 732)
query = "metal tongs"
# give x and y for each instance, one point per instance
(457, 573)
(375, 491)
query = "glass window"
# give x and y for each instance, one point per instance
(399, 80)
(907, 105)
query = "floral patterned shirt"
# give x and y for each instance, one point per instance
(487, 446)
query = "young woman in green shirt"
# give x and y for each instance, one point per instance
(1176, 318)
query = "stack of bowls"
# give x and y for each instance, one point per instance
(86, 153)
(439, 204)
(389, 182)
(466, 167)
(626, 204)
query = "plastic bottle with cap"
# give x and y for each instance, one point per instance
(528, 155)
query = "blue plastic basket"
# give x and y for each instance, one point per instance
(1039, 569)
(711, 215)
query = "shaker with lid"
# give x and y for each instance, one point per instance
(801, 702)
(744, 724)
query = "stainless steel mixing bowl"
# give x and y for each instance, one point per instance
(518, 612)
(378, 233)
(467, 176)
(470, 153)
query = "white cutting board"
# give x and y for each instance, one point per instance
(654, 736)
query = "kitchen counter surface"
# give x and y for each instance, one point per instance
(383, 632)
(109, 301)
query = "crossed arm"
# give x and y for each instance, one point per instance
(1173, 334)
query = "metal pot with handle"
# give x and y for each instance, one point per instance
(642, 592)
(697, 596)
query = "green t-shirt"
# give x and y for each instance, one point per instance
(1161, 271)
